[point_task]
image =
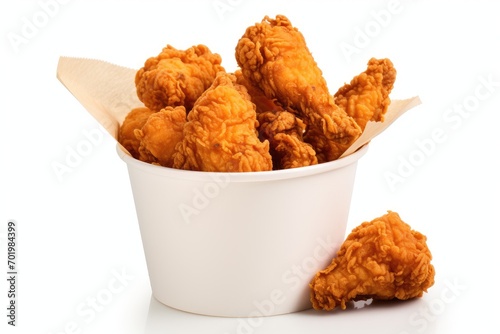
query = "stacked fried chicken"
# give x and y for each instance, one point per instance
(274, 112)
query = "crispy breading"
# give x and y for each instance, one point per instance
(366, 97)
(221, 132)
(160, 134)
(177, 77)
(134, 120)
(284, 131)
(273, 56)
(382, 259)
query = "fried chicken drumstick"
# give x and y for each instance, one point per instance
(382, 259)
(273, 56)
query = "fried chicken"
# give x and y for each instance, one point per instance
(366, 97)
(382, 259)
(274, 57)
(134, 120)
(176, 77)
(281, 127)
(160, 134)
(221, 132)
(326, 149)
(261, 101)
(284, 132)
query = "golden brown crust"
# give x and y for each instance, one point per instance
(177, 77)
(274, 57)
(134, 120)
(221, 132)
(300, 120)
(160, 134)
(284, 131)
(382, 259)
(366, 97)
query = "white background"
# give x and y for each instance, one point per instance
(78, 231)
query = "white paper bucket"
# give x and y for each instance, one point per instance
(240, 244)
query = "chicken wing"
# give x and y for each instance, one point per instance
(160, 134)
(366, 97)
(176, 77)
(274, 57)
(382, 259)
(221, 132)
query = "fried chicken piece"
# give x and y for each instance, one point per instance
(221, 132)
(274, 57)
(134, 120)
(366, 97)
(261, 101)
(284, 131)
(281, 127)
(382, 259)
(176, 77)
(160, 134)
(326, 149)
